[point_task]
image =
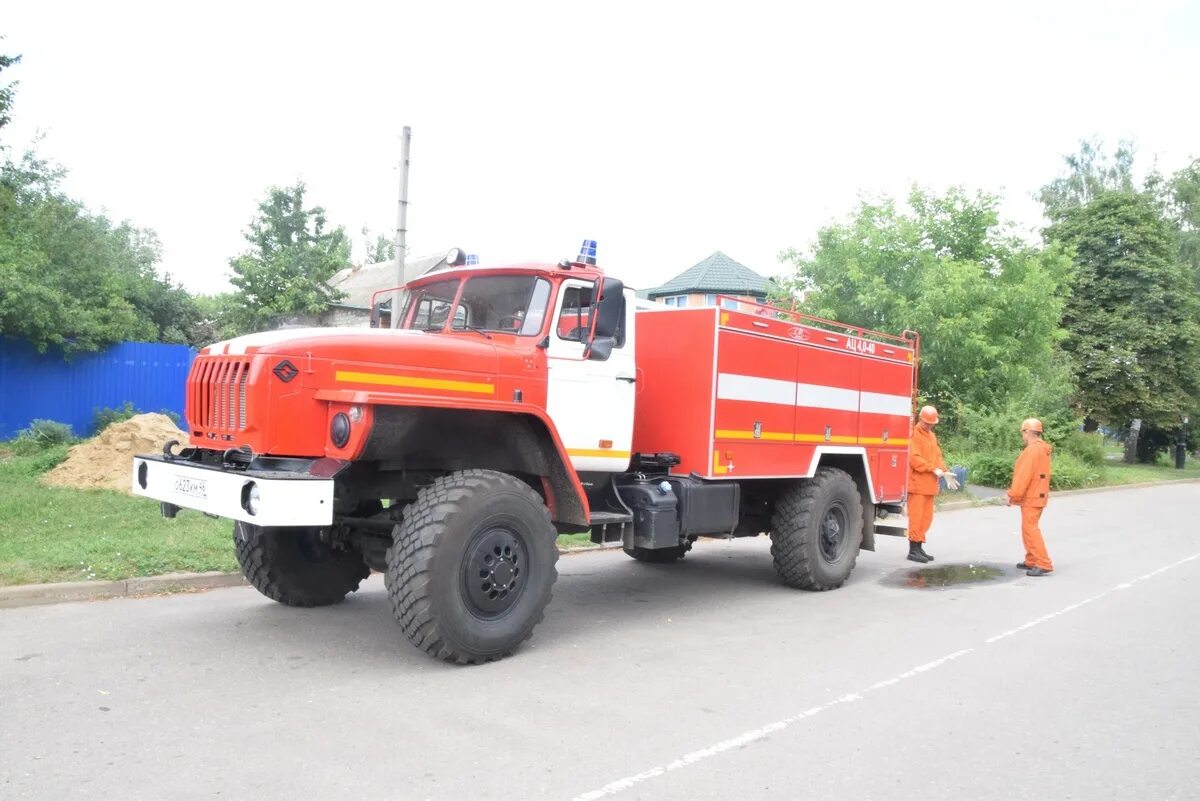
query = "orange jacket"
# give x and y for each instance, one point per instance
(924, 456)
(1031, 475)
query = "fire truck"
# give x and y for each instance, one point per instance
(511, 403)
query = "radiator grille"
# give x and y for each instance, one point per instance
(217, 394)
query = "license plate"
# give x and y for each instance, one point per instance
(192, 487)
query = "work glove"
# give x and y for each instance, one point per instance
(951, 482)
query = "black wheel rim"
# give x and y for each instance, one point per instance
(495, 569)
(833, 533)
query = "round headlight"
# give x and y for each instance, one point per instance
(251, 497)
(339, 430)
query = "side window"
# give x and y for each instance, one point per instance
(575, 319)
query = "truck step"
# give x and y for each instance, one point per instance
(609, 526)
(893, 525)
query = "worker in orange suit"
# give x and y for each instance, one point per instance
(925, 470)
(1031, 490)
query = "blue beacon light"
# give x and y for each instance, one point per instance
(587, 253)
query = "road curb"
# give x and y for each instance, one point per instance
(63, 592)
(35, 594)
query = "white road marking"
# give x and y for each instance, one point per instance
(754, 735)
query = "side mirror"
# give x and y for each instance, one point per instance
(601, 348)
(608, 310)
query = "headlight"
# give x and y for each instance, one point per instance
(251, 497)
(339, 430)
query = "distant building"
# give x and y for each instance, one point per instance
(701, 285)
(358, 284)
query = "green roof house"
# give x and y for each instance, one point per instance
(717, 275)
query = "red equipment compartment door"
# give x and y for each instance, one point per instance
(827, 383)
(755, 411)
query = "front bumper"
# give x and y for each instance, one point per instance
(292, 497)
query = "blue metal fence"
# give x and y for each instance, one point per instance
(36, 385)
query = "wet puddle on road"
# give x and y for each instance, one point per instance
(945, 577)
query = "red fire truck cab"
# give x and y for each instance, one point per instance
(515, 402)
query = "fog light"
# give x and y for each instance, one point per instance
(339, 430)
(251, 497)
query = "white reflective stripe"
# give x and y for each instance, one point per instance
(878, 403)
(823, 397)
(731, 386)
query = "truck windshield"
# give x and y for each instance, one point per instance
(512, 304)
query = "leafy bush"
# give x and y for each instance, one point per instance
(989, 469)
(40, 436)
(103, 418)
(1087, 448)
(1069, 472)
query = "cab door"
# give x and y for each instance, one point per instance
(590, 400)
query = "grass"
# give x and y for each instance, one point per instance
(1117, 473)
(59, 534)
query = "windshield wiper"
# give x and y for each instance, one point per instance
(479, 331)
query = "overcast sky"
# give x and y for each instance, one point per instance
(665, 131)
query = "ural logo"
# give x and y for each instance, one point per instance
(286, 371)
(798, 333)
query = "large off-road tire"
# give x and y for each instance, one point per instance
(816, 531)
(660, 555)
(293, 566)
(472, 565)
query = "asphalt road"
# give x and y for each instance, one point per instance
(701, 680)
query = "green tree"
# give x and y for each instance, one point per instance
(986, 304)
(1090, 173)
(75, 280)
(7, 90)
(66, 273)
(1133, 318)
(378, 248)
(291, 258)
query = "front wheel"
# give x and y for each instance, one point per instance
(817, 531)
(472, 565)
(294, 566)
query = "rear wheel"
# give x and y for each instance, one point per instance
(472, 565)
(817, 531)
(294, 566)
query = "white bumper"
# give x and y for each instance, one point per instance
(284, 500)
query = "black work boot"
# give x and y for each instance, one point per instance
(915, 554)
(921, 550)
(1038, 571)
(1023, 566)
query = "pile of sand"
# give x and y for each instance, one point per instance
(106, 461)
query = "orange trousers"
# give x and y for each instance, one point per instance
(1035, 546)
(920, 516)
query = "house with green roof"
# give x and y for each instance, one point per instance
(700, 285)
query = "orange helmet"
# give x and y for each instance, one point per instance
(929, 415)
(1032, 424)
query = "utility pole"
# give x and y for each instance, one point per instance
(401, 223)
